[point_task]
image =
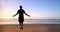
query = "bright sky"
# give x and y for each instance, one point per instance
(38, 9)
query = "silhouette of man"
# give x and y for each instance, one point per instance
(21, 13)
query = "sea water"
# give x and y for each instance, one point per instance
(30, 21)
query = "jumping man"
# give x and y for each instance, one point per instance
(21, 13)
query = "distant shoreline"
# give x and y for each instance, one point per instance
(30, 21)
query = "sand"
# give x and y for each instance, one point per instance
(31, 28)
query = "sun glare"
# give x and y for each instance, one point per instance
(6, 14)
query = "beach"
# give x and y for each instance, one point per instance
(30, 28)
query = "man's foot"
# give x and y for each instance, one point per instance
(21, 27)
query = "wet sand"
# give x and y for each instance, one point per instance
(31, 28)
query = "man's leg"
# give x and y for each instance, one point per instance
(21, 24)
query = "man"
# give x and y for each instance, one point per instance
(21, 13)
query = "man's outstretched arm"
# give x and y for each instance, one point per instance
(15, 14)
(26, 14)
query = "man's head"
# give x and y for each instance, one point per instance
(20, 7)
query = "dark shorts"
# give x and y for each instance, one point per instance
(21, 20)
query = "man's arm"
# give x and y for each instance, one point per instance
(15, 14)
(26, 14)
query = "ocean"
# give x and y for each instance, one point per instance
(30, 21)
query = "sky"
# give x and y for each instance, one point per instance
(37, 9)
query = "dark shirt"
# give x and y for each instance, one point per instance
(21, 14)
